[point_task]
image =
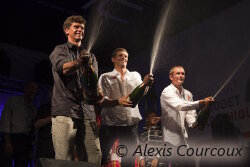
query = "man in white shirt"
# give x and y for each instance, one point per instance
(178, 109)
(119, 119)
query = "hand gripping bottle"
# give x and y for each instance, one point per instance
(90, 84)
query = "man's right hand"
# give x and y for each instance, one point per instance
(123, 101)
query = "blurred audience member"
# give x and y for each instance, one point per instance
(44, 146)
(152, 137)
(16, 127)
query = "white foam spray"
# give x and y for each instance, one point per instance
(231, 76)
(158, 35)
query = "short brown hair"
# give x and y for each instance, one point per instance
(150, 113)
(118, 50)
(172, 69)
(73, 19)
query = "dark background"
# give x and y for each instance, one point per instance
(37, 24)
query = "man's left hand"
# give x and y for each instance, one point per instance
(100, 95)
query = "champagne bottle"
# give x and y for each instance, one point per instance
(137, 94)
(203, 116)
(90, 88)
(90, 84)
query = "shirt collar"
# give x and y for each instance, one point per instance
(176, 90)
(115, 72)
(71, 46)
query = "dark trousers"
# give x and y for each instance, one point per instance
(22, 147)
(45, 149)
(128, 137)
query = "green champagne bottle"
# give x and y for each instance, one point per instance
(90, 87)
(203, 116)
(137, 94)
(90, 80)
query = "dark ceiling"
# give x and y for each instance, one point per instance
(37, 24)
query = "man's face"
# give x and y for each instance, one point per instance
(75, 32)
(153, 119)
(178, 76)
(31, 90)
(121, 59)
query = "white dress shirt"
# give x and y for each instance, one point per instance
(177, 108)
(114, 88)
